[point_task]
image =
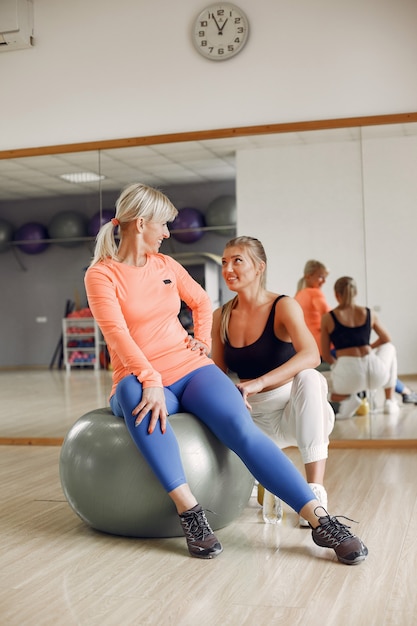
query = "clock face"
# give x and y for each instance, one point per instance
(220, 31)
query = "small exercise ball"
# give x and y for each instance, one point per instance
(188, 218)
(222, 212)
(68, 225)
(110, 486)
(98, 220)
(6, 235)
(34, 234)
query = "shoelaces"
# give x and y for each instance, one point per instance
(334, 530)
(196, 525)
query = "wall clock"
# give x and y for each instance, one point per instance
(220, 31)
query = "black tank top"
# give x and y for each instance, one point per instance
(262, 356)
(350, 337)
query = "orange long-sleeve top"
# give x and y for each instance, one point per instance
(137, 311)
(313, 302)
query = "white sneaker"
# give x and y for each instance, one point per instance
(347, 408)
(391, 407)
(321, 495)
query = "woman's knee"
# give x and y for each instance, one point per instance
(310, 380)
(308, 375)
(129, 393)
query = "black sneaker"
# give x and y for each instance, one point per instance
(202, 542)
(410, 398)
(333, 534)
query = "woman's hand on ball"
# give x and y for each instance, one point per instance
(153, 399)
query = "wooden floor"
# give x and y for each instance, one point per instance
(54, 570)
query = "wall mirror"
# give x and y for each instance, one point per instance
(194, 169)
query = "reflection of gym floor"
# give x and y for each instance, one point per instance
(377, 425)
(45, 404)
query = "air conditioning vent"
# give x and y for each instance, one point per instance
(16, 24)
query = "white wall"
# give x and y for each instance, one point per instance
(102, 69)
(304, 202)
(390, 200)
(316, 201)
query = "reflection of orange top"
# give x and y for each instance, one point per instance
(137, 310)
(314, 305)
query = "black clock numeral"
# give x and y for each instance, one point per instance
(203, 24)
(203, 43)
(201, 33)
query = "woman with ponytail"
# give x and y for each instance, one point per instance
(358, 364)
(135, 294)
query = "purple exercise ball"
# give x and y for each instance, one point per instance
(96, 222)
(33, 233)
(188, 218)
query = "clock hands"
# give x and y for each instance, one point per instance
(224, 24)
(220, 28)
(215, 21)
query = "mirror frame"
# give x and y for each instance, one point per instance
(220, 133)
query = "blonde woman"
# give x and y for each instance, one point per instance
(358, 364)
(135, 294)
(262, 337)
(314, 304)
(311, 297)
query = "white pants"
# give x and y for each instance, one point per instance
(352, 374)
(297, 414)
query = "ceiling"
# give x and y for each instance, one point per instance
(188, 162)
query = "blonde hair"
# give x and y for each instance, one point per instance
(310, 267)
(257, 254)
(345, 288)
(135, 201)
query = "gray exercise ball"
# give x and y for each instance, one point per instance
(222, 212)
(68, 225)
(110, 486)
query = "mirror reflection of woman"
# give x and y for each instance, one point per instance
(262, 338)
(314, 304)
(311, 297)
(358, 364)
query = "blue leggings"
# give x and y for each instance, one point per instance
(213, 398)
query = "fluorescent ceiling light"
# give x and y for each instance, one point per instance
(82, 177)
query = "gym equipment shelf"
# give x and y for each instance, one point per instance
(81, 342)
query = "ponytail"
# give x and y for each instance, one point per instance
(345, 288)
(225, 318)
(106, 246)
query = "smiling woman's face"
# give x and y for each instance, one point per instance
(238, 268)
(317, 278)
